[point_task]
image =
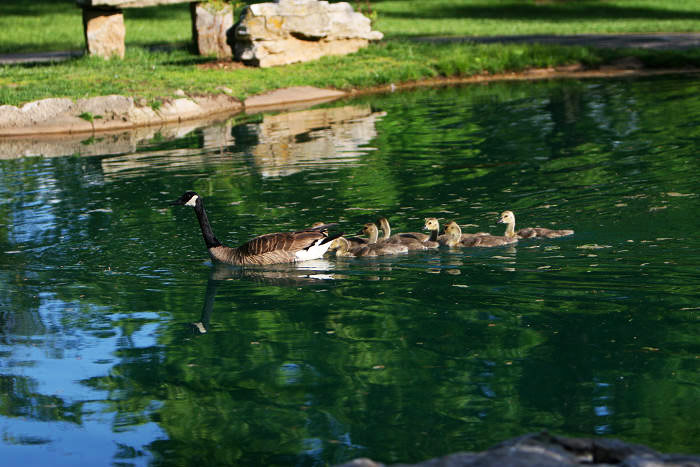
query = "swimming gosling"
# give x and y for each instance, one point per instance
(342, 248)
(370, 229)
(455, 237)
(508, 218)
(412, 240)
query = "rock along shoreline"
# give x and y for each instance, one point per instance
(56, 116)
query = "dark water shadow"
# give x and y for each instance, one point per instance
(577, 12)
(284, 275)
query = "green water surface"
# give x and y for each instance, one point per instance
(121, 344)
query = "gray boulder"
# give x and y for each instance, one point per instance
(545, 450)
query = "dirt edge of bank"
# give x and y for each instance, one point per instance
(56, 116)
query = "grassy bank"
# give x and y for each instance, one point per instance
(153, 75)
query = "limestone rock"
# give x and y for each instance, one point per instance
(104, 32)
(33, 112)
(290, 31)
(211, 26)
(106, 107)
(109, 113)
(286, 96)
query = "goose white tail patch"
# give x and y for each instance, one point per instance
(316, 250)
(192, 201)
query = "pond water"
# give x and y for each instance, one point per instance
(122, 344)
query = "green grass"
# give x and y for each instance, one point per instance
(56, 25)
(36, 25)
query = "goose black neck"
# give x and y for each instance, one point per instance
(209, 238)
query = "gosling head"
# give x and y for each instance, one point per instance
(431, 223)
(452, 229)
(370, 229)
(188, 199)
(507, 217)
(340, 244)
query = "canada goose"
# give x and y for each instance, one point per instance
(286, 247)
(342, 248)
(455, 237)
(412, 240)
(508, 218)
(388, 247)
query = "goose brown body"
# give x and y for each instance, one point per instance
(273, 248)
(508, 218)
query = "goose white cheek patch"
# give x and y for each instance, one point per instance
(192, 201)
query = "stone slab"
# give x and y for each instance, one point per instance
(104, 32)
(110, 113)
(211, 27)
(291, 95)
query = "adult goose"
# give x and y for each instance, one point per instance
(412, 240)
(508, 218)
(342, 248)
(284, 247)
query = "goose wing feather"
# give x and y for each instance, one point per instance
(282, 241)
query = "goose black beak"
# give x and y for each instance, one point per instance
(179, 202)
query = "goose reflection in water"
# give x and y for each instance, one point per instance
(286, 275)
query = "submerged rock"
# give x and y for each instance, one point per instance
(545, 450)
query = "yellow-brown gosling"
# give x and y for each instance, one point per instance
(435, 240)
(412, 240)
(370, 229)
(342, 248)
(455, 237)
(508, 218)
(283, 247)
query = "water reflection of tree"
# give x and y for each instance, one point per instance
(274, 380)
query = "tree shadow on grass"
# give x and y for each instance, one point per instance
(584, 11)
